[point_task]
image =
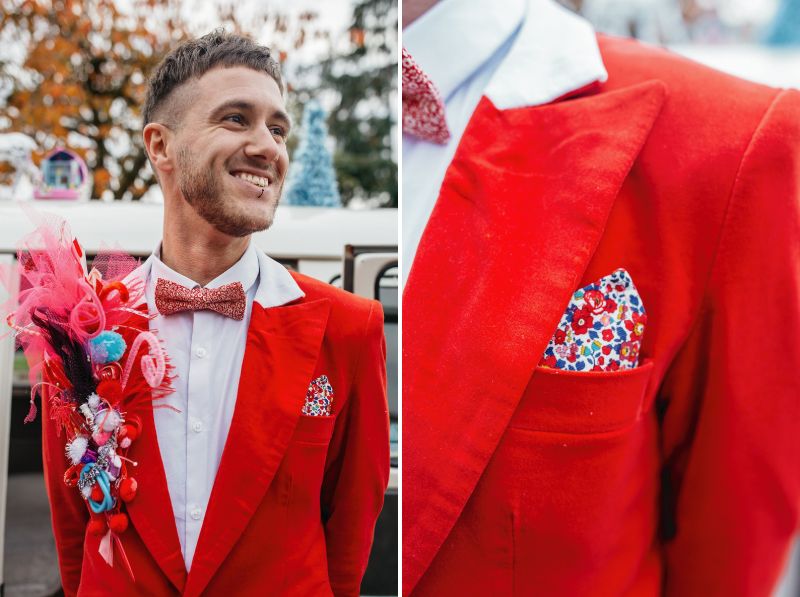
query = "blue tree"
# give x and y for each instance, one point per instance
(785, 27)
(313, 180)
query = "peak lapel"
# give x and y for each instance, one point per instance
(151, 510)
(521, 210)
(283, 345)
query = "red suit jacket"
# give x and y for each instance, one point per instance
(680, 477)
(295, 499)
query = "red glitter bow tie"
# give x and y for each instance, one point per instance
(423, 108)
(227, 300)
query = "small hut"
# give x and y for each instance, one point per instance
(64, 176)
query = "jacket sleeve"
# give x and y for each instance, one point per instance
(357, 470)
(731, 400)
(68, 513)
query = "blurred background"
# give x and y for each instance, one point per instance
(74, 73)
(759, 40)
(73, 77)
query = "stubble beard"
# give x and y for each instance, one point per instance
(204, 193)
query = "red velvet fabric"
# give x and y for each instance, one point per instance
(678, 478)
(295, 500)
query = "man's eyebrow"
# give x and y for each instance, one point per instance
(246, 106)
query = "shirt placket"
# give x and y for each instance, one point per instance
(197, 445)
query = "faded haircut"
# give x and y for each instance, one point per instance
(190, 61)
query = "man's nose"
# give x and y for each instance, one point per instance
(262, 144)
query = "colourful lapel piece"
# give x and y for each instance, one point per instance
(601, 329)
(521, 210)
(283, 345)
(151, 510)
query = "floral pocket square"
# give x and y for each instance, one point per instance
(319, 398)
(602, 328)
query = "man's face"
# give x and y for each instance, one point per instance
(233, 129)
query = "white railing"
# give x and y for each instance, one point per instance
(6, 375)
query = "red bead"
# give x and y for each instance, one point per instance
(127, 489)
(97, 493)
(97, 527)
(131, 432)
(111, 371)
(118, 523)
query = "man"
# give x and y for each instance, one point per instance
(560, 162)
(245, 490)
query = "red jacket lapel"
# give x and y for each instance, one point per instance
(521, 210)
(151, 510)
(283, 345)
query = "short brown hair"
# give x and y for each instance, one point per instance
(191, 60)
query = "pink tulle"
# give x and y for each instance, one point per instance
(56, 312)
(54, 282)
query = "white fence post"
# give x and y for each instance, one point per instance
(6, 379)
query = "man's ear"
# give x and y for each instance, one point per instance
(157, 139)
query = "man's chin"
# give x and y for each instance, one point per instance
(241, 224)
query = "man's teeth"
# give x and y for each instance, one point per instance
(256, 180)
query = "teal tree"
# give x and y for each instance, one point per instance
(785, 27)
(312, 180)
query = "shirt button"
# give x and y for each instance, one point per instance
(200, 352)
(197, 426)
(196, 513)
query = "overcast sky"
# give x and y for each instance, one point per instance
(332, 15)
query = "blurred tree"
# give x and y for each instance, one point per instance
(313, 179)
(362, 80)
(84, 77)
(784, 30)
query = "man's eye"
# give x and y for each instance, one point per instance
(278, 131)
(240, 119)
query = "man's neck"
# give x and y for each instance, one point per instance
(414, 9)
(199, 252)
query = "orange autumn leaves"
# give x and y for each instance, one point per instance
(84, 78)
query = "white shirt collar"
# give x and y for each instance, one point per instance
(554, 52)
(455, 37)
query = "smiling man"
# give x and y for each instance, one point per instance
(267, 474)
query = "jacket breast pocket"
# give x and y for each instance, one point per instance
(314, 430)
(578, 468)
(583, 402)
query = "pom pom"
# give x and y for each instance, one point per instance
(107, 347)
(118, 523)
(125, 443)
(86, 492)
(127, 489)
(110, 390)
(97, 527)
(93, 401)
(77, 448)
(129, 431)
(110, 420)
(97, 494)
(101, 437)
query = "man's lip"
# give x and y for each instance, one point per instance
(262, 174)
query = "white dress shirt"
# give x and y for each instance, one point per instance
(206, 349)
(515, 52)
